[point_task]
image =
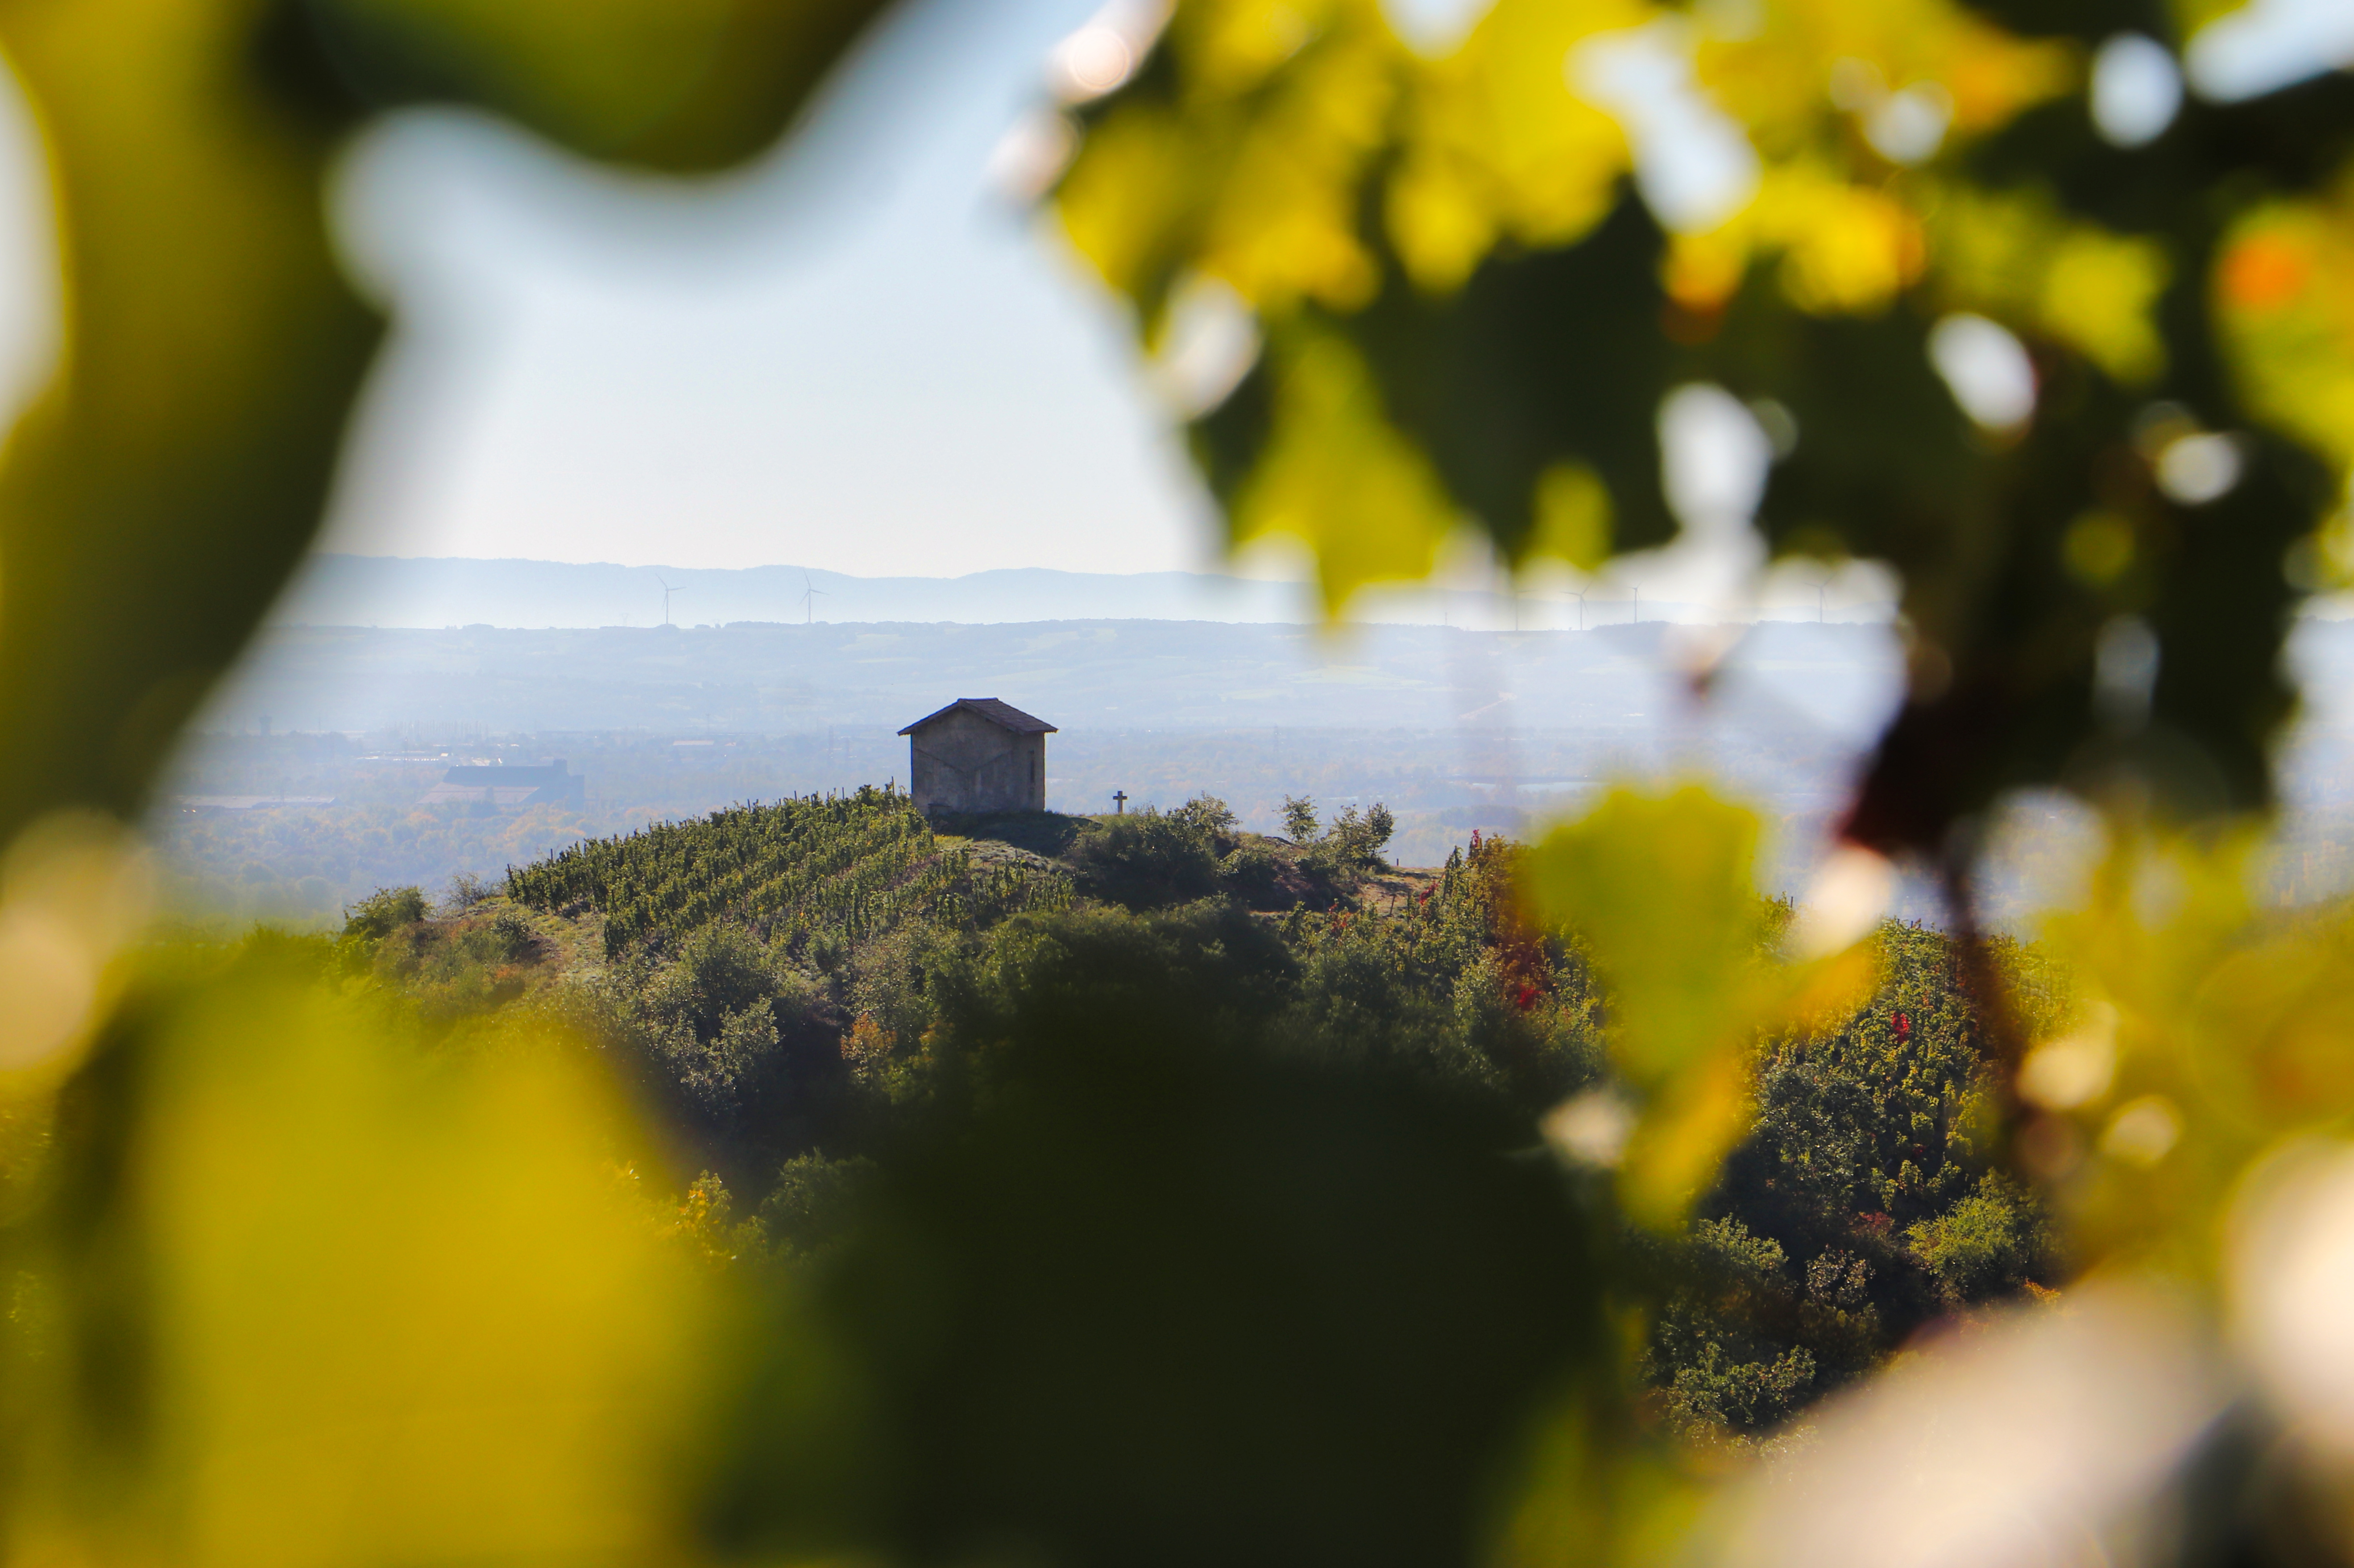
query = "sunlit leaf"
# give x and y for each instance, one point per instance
(1497, 143)
(1337, 474)
(380, 1307)
(2289, 324)
(1660, 887)
(1215, 164)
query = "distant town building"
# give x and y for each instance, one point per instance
(248, 802)
(495, 784)
(978, 755)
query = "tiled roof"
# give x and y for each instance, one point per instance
(1004, 714)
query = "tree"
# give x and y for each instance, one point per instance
(1210, 814)
(1299, 819)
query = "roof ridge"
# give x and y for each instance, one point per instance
(996, 710)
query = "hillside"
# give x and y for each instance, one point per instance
(763, 973)
(811, 995)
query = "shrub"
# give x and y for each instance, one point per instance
(1716, 1391)
(383, 912)
(716, 1073)
(720, 970)
(466, 890)
(509, 938)
(1250, 870)
(1985, 1244)
(1148, 858)
(812, 1202)
(1210, 815)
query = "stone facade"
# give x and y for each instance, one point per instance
(978, 755)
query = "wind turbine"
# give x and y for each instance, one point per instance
(667, 591)
(810, 596)
(1579, 595)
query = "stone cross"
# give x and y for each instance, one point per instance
(1120, 802)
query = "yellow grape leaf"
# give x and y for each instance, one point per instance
(1339, 475)
(1229, 48)
(1132, 200)
(2190, 16)
(1238, 171)
(2287, 320)
(176, 467)
(1794, 67)
(1660, 887)
(1495, 142)
(1573, 516)
(1593, 1490)
(2098, 296)
(1846, 249)
(1284, 227)
(394, 1309)
(1808, 80)
(2226, 1032)
(2016, 258)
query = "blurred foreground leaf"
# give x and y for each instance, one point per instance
(1660, 887)
(157, 496)
(2217, 1036)
(2063, 378)
(312, 1299)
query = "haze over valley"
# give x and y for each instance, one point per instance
(1456, 728)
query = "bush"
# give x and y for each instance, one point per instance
(509, 938)
(466, 890)
(1251, 870)
(1718, 1392)
(1986, 1245)
(1210, 815)
(721, 970)
(717, 1074)
(383, 912)
(1148, 858)
(812, 1202)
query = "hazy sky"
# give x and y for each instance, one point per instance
(858, 357)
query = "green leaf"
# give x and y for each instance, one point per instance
(1659, 887)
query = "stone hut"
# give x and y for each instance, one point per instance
(978, 755)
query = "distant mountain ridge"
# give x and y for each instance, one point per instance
(749, 678)
(435, 594)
